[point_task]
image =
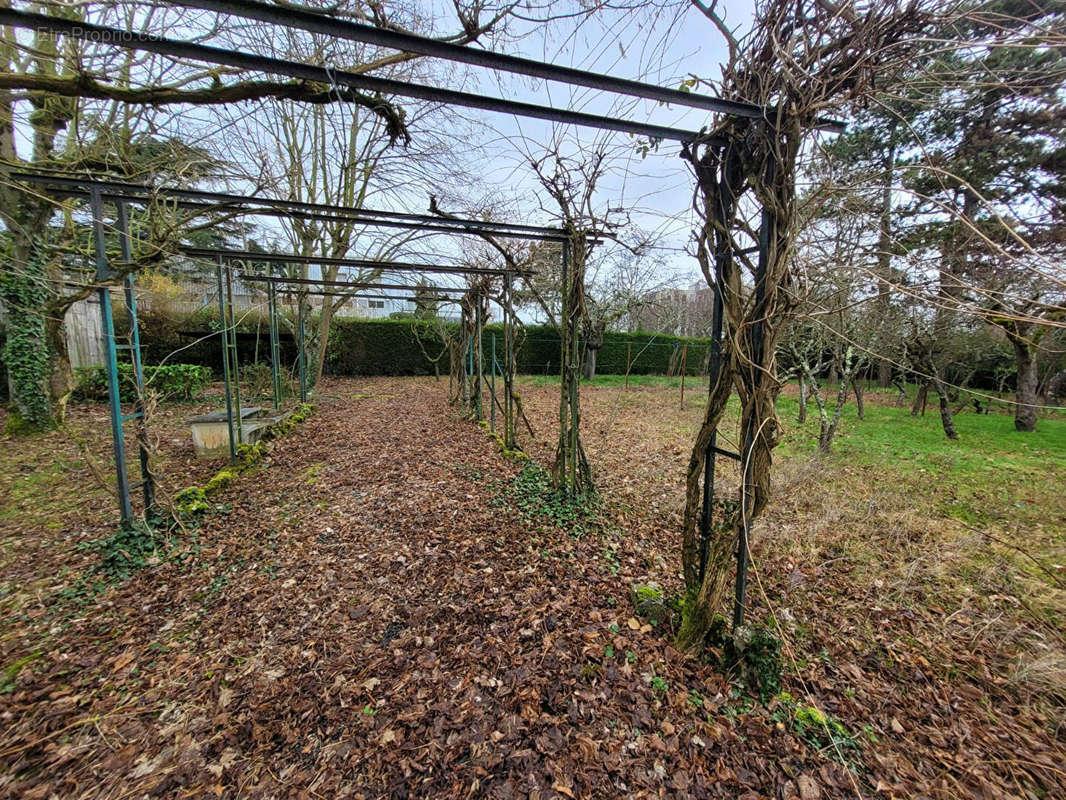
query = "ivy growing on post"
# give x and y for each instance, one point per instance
(570, 470)
(25, 293)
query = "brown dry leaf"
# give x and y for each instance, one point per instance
(808, 788)
(123, 660)
(633, 623)
(225, 695)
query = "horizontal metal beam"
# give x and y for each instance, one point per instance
(292, 17)
(246, 276)
(247, 256)
(361, 296)
(335, 77)
(289, 16)
(120, 190)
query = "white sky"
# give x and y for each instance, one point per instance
(663, 50)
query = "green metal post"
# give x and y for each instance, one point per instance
(470, 366)
(103, 273)
(222, 316)
(275, 356)
(147, 482)
(492, 387)
(508, 367)
(480, 361)
(235, 367)
(301, 313)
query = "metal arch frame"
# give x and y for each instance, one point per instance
(74, 186)
(119, 37)
(273, 281)
(247, 256)
(396, 40)
(123, 193)
(314, 22)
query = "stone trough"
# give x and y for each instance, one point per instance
(210, 433)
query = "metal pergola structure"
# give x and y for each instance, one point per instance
(292, 17)
(122, 195)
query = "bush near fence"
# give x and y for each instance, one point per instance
(169, 382)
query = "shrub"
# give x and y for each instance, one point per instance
(169, 381)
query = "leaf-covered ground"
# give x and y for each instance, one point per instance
(385, 608)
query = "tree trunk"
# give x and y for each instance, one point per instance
(945, 409)
(570, 469)
(323, 341)
(901, 387)
(1026, 393)
(945, 417)
(590, 362)
(920, 398)
(803, 401)
(884, 374)
(856, 385)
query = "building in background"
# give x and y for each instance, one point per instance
(677, 312)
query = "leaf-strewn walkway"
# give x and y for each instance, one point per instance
(364, 617)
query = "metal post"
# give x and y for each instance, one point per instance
(103, 273)
(757, 346)
(479, 377)
(275, 356)
(684, 367)
(492, 387)
(301, 356)
(147, 482)
(222, 316)
(234, 356)
(714, 368)
(508, 367)
(574, 351)
(470, 367)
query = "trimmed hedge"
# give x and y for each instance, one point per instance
(383, 347)
(651, 353)
(409, 347)
(400, 347)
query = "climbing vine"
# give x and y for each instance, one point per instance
(25, 293)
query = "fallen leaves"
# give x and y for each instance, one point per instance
(391, 626)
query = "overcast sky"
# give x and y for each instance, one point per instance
(663, 49)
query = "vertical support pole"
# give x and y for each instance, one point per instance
(301, 355)
(226, 378)
(684, 368)
(569, 419)
(126, 250)
(275, 355)
(757, 347)
(492, 386)
(103, 273)
(235, 366)
(508, 367)
(470, 366)
(629, 355)
(479, 366)
(713, 369)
